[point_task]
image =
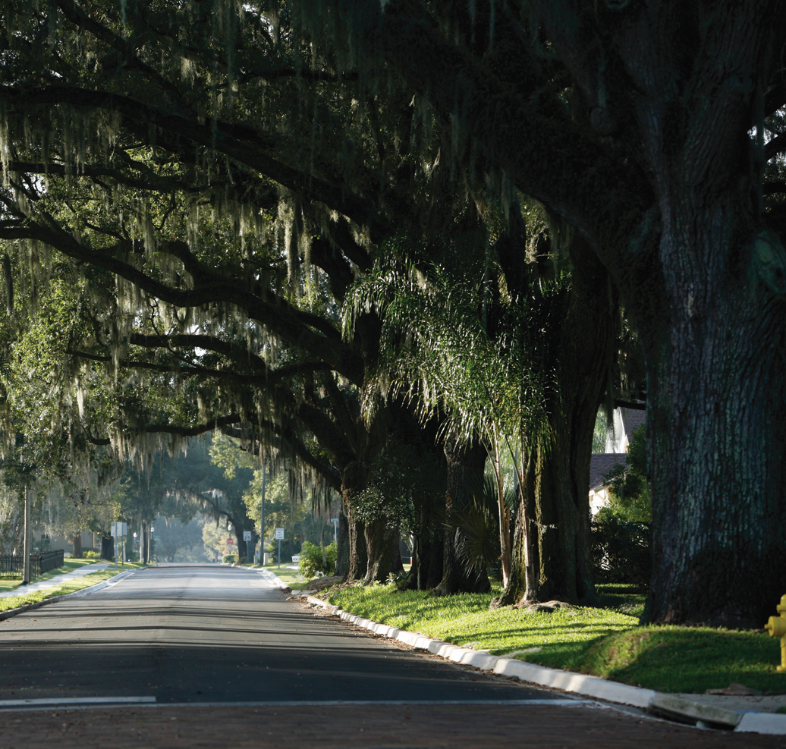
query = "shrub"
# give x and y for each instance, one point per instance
(91, 555)
(229, 559)
(312, 563)
(620, 552)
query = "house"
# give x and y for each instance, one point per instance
(55, 543)
(625, 422)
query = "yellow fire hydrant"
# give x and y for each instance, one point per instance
(776, 626)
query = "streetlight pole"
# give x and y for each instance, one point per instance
(262, 519)
(26, 546)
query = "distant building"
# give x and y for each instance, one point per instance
(55, 543)
(625, 422)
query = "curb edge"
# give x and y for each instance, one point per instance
(569, 681)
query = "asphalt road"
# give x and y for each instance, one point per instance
(216, 634)
(215, 657)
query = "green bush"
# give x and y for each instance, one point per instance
(91, 555)
(312, 562)
(620, 552)
(229, 559)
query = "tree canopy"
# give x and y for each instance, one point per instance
(192, 191)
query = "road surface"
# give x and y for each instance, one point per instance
(214, 656)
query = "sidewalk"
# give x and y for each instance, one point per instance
(23, 590)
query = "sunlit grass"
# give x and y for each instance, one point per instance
(9, 583)
(606, 642)
(71, 586)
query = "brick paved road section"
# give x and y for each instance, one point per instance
(347, 727)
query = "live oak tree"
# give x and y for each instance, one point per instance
(134, 203)
(147, 180)
(646, 125)
(385, 171)
(628, 120)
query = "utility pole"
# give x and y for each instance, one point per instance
(262, 520)
(26, 547)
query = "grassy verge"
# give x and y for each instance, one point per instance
(69, 566)
(71, 586)
(605, 642)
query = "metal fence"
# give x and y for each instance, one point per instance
(40, 562)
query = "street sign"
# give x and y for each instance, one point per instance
(246, 535)
(333, 520)
(279, 534)
(119, 529)
(230, 541)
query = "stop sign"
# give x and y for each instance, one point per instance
(230, 541)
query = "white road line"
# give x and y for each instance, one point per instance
(375, 703)
(55, 701)
(89, 703)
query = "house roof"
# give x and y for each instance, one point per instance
(602, 463)
(632, 419)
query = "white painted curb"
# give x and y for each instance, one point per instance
(568, 681)
(762, 723)
(272, 578)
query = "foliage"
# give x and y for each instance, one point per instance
(402, 480)
(479, 546)
(442, 352)
(280, 510)
(620, 551)
(315, 560)
(225, 453)
(600, 432)
(631, 499)
(228, 559)
(176, 541)
(214, 537)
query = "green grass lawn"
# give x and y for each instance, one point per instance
(69, 566)
(605, 642)
(71, 586)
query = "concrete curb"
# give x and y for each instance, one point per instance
(76, 594)
(588, 686)
(272, 578)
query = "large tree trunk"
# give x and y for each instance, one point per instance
(427, 548)
(146, 543)
(77, 540)
(342, 544)
(556, 502)
(354, 479)
(717, 419)
(107, 548)
(381, 547)
(465, 470)
(242, 550)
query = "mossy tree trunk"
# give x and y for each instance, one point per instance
(556, 492)
(654, 164)
(77, 542)
(465, 467)
(342, 543)
(381, 549)
(717, 417)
